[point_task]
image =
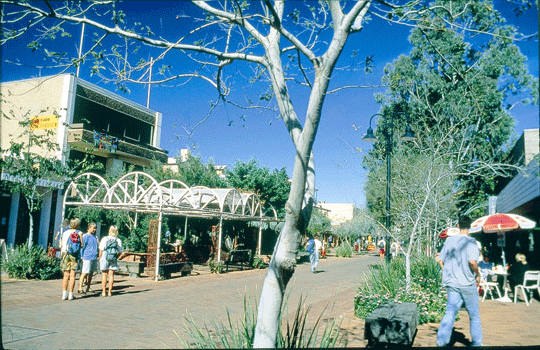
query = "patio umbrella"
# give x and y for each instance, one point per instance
(449, 232)
(501, 223)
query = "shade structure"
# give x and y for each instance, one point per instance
(449, 232)
(501, 223)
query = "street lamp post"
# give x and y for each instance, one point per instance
(370, 137)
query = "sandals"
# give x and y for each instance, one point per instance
(80, 291)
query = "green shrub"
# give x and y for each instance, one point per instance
(344, 250)
(387, 283)
(258, 263)
(216, 267)
(31, 263)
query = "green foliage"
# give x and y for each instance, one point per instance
(30, 263)
(193, 172)
(240, 334)
(344, 250)
(454, 91)
(272, 187)
(361, 225)
(258, 263)
(387, 283)
(216, 267)
(319, 222)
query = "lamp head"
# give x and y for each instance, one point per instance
(409, 135)
(369, 136)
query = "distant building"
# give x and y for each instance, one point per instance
(85, 119)
(338, 213)
(172, 163)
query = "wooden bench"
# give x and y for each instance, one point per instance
(184, 267)
(392, 323)
(239, 257)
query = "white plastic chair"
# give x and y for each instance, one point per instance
(488, 286)
(531, 281)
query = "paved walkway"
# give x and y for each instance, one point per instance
(146, 314)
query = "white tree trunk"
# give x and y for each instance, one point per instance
(30, 205)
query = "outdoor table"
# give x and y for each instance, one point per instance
(503, 272)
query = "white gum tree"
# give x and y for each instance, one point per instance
(272, 36)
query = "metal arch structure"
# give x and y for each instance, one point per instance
(140, 193)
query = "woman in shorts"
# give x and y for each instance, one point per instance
(68, 263)
(109, 266)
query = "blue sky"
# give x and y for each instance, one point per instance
(231, 134)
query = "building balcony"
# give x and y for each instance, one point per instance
(83, 139)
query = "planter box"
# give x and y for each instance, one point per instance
(132, 268)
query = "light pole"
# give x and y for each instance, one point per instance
(370, 137)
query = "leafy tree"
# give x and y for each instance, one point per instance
(454, 94)
(194, 173)
(287, 43)
(319, 222)
(361, 225)
(272, 187)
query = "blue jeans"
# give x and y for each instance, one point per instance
(314, 259)
(456, 298)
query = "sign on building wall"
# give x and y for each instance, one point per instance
(44, 122)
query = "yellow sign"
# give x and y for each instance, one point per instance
(44, 122)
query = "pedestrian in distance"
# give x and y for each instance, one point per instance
(70, 253)
(89, 254)
(458, 259)
(313, 246)
(109, 249)
(382, 245)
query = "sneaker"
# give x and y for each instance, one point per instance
(70, 297)
(64, 295)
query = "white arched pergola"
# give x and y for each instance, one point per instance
(140, 193)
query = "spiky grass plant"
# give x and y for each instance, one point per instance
(240, 334)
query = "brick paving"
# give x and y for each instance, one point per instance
(148, 314)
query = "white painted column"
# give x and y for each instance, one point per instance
(157, 130)
(44, 220)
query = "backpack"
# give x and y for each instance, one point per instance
(74, 243)
(311, 246)
(111, 251)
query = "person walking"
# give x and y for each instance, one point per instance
(382, 248)
(458, 259)
(70, 251)
(109, 248)
(89, 254)
(313, 247)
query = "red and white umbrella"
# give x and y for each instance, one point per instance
(501, 223)
(449, 232)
